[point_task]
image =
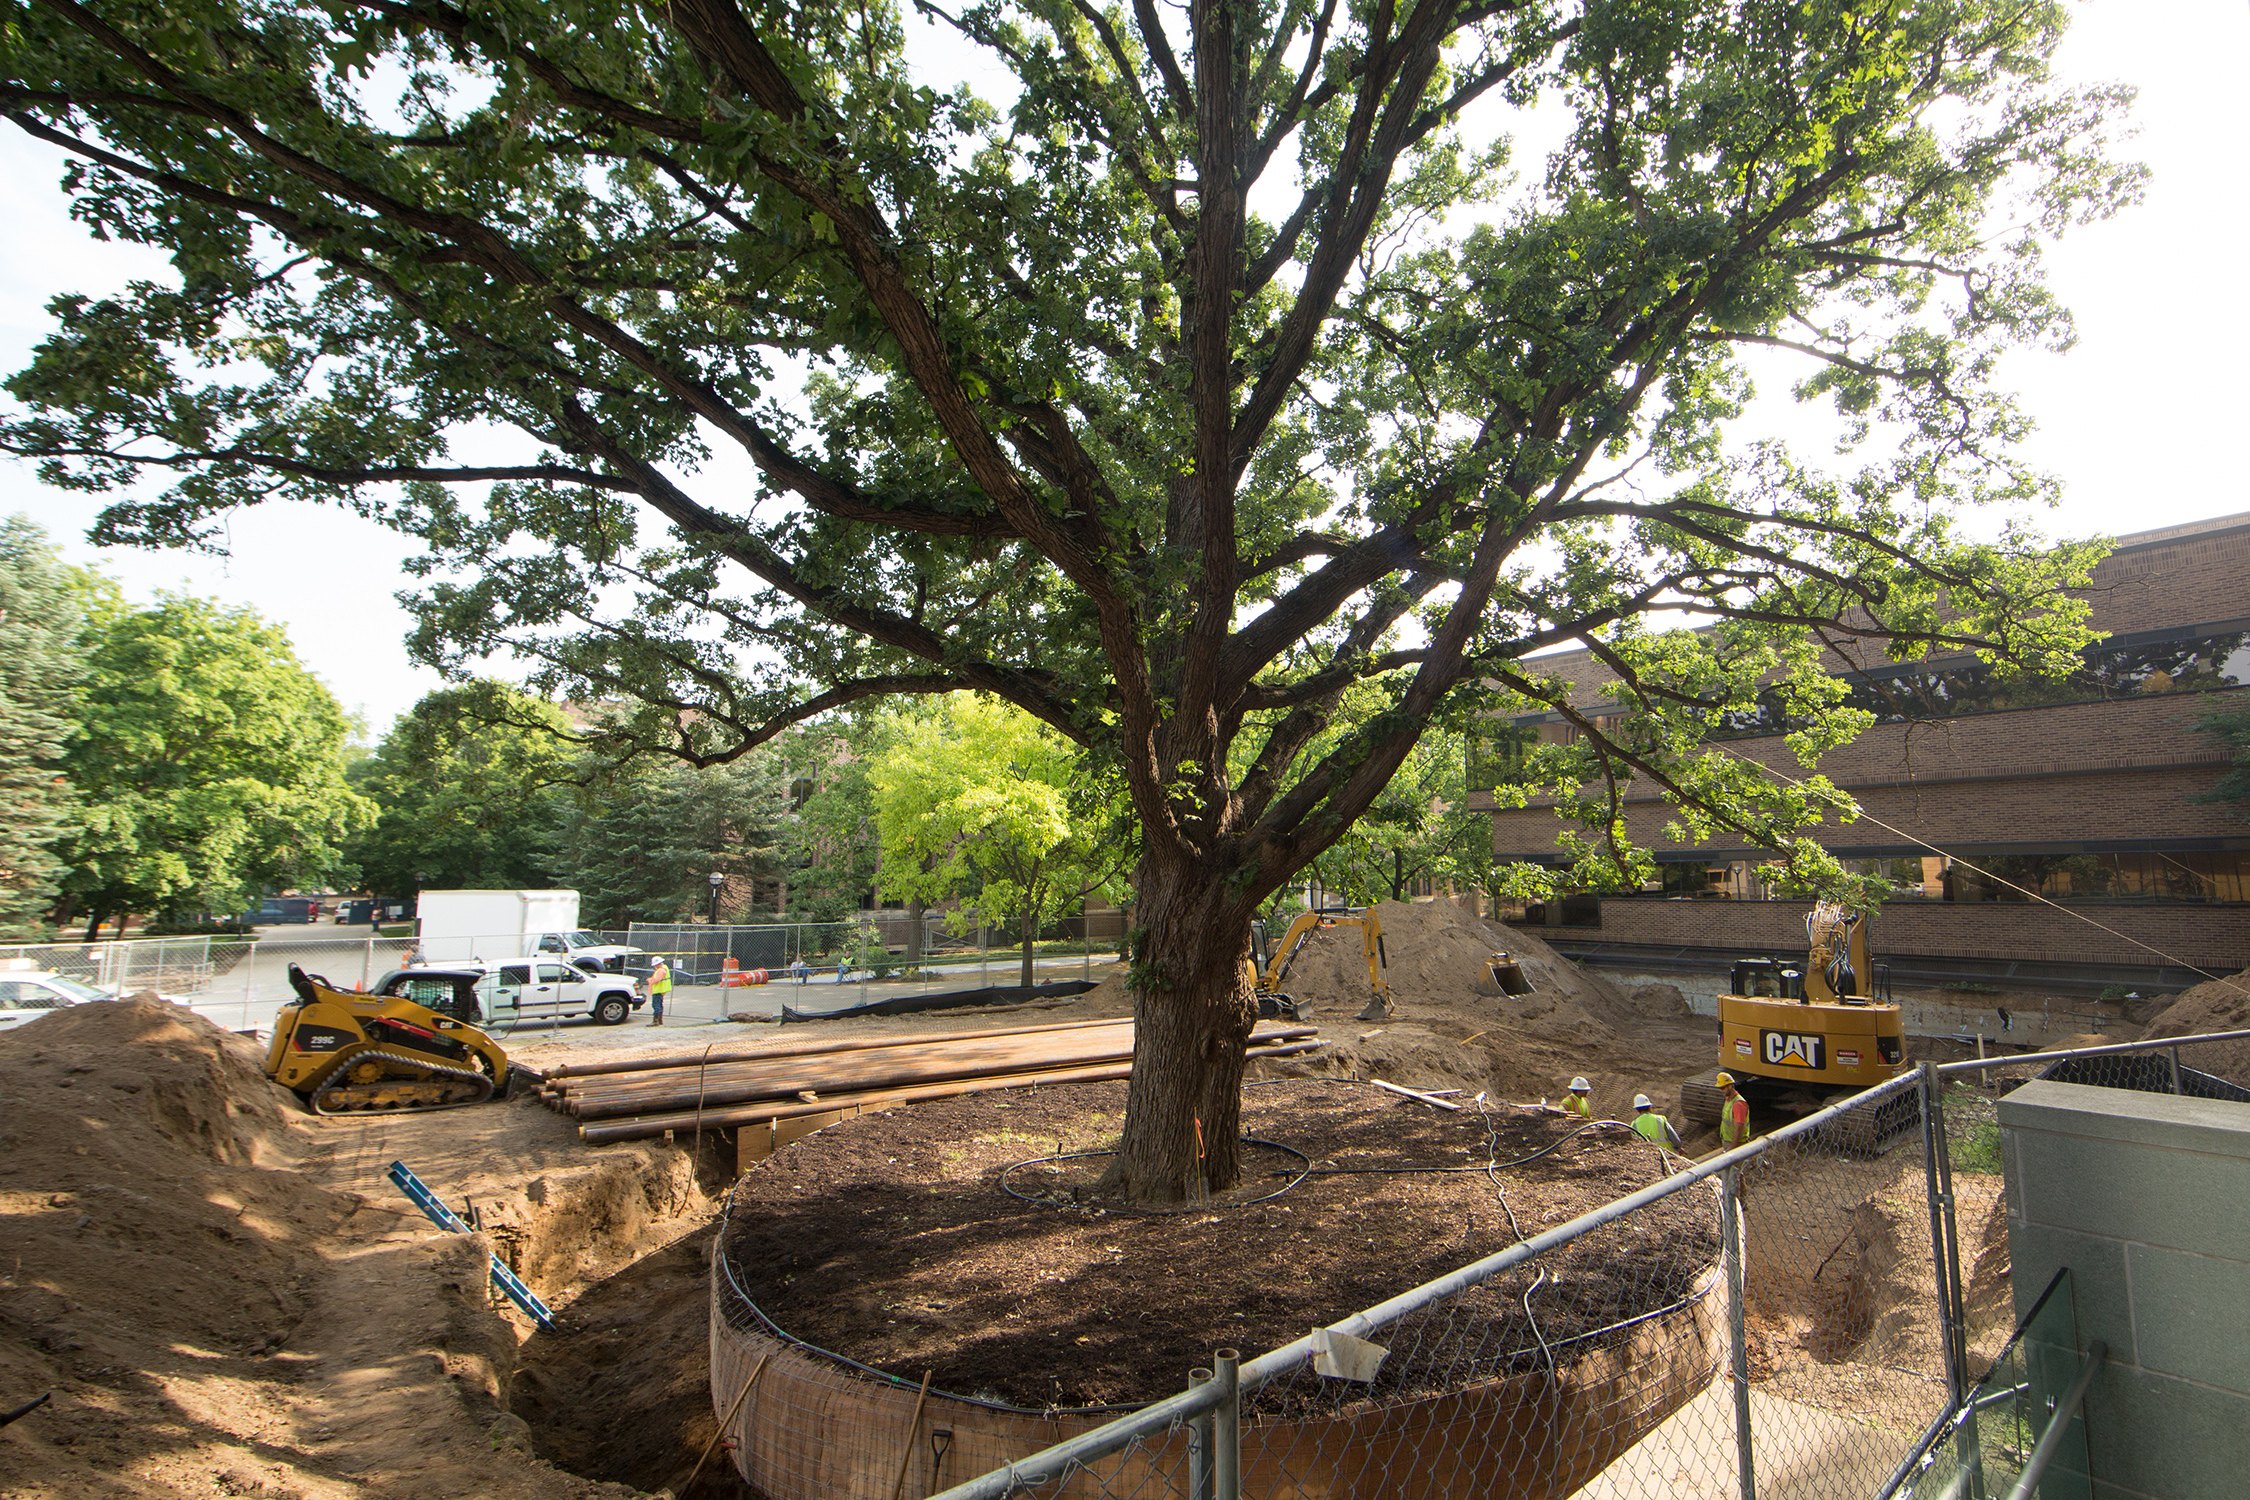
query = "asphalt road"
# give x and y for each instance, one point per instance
(247, 997)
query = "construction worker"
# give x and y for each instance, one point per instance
(1579, 1101)
(1734, 1113)
(1649, 1125)
(659, 989)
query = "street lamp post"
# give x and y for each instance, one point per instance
(717, 880)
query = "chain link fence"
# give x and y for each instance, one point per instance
(1822, 1313)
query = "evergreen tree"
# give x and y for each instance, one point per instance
(645, 839)
(42, 663)
(829, 841)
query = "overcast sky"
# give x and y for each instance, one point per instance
(2142, 420)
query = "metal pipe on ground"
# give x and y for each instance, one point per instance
(641, 1127)
(863, 1062)
(646, 1061)
(741, 1083)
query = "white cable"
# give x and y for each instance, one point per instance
(2169, 958)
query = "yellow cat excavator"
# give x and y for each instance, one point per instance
(1275, 959)
(351, 1053)
(1794, 1038)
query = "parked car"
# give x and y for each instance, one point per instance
(282, 909)
(518, 990)
(28, 994)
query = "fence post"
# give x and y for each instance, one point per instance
(1730, 1246)
(1200, 1428)
(1937, 1166)
(1226, 1426)
(2175, 1068)
(367, 964)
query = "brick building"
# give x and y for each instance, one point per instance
(2082, 790)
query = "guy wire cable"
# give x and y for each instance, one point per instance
(1914, 838)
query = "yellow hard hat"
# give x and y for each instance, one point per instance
(1724, 1080)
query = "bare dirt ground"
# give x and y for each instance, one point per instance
(895, 1240)
(1447, 1029)
(226, 1297)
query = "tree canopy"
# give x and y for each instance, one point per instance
(728, 364)
(1420, 828)
(978, 803)
(641, 842)
(211, 764)
(469, 786)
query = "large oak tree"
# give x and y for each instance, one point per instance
(1221, 364)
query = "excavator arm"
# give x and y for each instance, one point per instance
(1280, 956)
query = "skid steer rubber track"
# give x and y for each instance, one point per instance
(407, 1083)
(1700, 1099)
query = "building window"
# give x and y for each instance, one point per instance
(2194, 660)
(2152, 876)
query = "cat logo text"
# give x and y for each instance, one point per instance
(1789, 1049)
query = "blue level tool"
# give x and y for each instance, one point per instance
(446, 1219)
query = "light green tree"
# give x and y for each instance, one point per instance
(977, 802)
(469, 785)
(1224, 361)
(209, 761)
(42, 665)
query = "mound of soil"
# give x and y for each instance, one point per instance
(225, 1297)
(1448, 1028)
(2215, 1005)
(891, 1239)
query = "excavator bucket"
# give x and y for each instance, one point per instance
(1508, 976)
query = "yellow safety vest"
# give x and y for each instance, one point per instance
(1651, 1126)
(1579, 1105)
(1734, 1121)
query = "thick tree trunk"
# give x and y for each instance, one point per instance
(1029, 928)
(1193, 1007)
(917, 917)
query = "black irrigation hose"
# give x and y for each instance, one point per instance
(1248, 1140)
(1502, 1166)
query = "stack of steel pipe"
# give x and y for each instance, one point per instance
(626, 1098)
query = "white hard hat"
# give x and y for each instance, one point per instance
(1579, 1085)
(1641, 1101)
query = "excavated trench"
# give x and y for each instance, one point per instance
(620, 1389)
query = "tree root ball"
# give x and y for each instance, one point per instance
(963, 1239)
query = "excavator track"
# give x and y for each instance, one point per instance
(1700, 1099)
(433, 1085)
(1871, 1132)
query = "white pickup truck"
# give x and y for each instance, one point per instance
(502, 995)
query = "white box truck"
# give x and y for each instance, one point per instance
(490, 926)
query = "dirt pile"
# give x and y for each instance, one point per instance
(2215, 1005)
(1450, 1028)
(225, 1297)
